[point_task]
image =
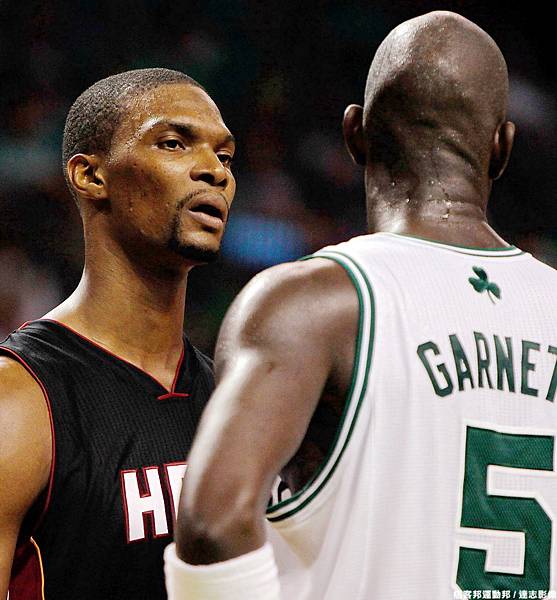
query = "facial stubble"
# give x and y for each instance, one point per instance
(193, 252)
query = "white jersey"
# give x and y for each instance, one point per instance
(442, 482)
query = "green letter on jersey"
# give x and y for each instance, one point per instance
(482, 355)
(528, 366)
(480, 510)
(440, 391)
(553, 385)
(504, 363)
(461, 363)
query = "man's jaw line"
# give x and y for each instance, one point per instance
(192, 253)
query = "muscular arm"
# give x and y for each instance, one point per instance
(288, 334)
(25, 455)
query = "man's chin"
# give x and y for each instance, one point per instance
(195, 254)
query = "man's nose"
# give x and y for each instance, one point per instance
(209, 168)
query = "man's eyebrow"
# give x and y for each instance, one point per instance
(185, 129)
(230, 139)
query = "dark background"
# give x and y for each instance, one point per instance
(282, 73)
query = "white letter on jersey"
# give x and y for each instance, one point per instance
(136, 505)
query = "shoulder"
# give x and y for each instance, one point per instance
(318, 282)
(22, 402)
(292, 305)
(15, 380)
(26, 449)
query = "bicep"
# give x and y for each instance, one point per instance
(9, 530)
(258, 416)
(276, 352)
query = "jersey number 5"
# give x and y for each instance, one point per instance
(509, 497)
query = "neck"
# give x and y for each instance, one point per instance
(446, 209)
(132, 310)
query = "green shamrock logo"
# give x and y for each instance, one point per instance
(481, 283)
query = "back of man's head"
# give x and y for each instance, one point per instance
(436, 80)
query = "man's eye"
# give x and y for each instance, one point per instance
(225, 159)
(170, 144)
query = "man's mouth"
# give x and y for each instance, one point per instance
(209, 209)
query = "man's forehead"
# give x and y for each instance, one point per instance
(172, 103)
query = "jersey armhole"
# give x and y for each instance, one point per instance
(360, 375)
(30, 527)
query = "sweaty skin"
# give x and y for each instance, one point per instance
(431, 138)
(171, 151)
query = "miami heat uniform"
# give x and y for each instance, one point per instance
(119, 445)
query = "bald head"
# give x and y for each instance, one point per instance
(436, 79)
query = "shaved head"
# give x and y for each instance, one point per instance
(436, 81)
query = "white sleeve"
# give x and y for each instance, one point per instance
(252, 576)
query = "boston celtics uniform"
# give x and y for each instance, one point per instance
(442, 482)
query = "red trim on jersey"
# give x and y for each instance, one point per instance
(177, 372)
(20, 360)
(125, 503)
(27, 578)
(107, 351)
(144, 514)
(172, 395)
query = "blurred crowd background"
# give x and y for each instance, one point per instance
(282, 74)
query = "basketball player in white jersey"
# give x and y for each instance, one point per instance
(403, 383)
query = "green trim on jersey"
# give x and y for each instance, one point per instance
(358, 386)
(502, 252)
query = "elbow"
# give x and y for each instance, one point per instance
(213, 530)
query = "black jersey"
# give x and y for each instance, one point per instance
(120, 442)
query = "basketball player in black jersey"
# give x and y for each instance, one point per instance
(99, 399)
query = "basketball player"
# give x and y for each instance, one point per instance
(403, 383)
(99, 398)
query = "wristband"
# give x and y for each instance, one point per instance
(251, 576)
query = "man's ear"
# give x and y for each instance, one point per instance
(501, 150)
(87, 177)
(353, 130)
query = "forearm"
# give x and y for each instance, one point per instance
(207, 534)
(232, 466)
(221, 552)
